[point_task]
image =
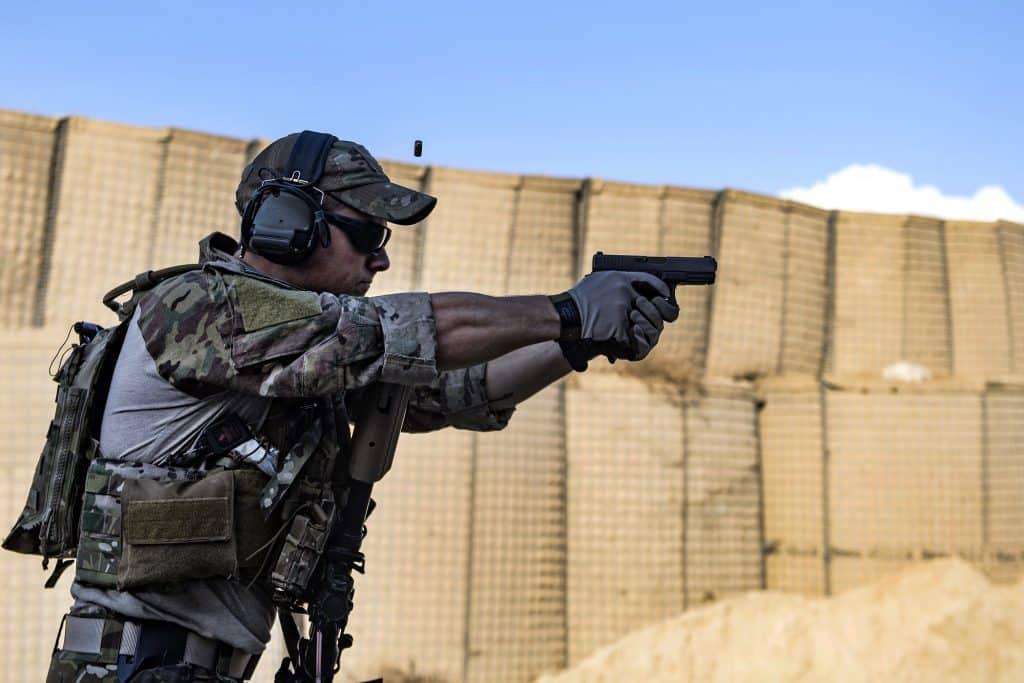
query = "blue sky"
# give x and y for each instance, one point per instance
(761, 96)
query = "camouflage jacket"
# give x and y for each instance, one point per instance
(228, 326)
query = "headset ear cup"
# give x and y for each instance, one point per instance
(247, 217)
(284, 224)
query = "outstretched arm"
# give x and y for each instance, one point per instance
(523, 372)
(475, 328)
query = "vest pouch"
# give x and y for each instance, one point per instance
(146, 524)
(100, 547)
(48, 524)
(177, 530)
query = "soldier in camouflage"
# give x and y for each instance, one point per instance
(289, 350)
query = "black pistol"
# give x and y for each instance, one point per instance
(672, 270)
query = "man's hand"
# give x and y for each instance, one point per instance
(606, 300)
(598, 316)
(649, 317)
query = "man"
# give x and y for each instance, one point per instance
(280, 350)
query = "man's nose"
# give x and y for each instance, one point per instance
(379, 261)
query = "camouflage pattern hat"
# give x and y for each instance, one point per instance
(351, 176)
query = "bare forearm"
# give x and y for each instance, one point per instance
(524, 372)
(475, 328)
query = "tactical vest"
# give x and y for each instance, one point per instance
(130, 525)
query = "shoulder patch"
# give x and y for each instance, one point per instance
(262, 304)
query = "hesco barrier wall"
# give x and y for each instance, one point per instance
(758, 447)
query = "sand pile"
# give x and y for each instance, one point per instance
(941, 621)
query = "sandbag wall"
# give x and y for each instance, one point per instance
(750, 450)
(864, 474)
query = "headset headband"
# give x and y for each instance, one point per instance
(308, 156)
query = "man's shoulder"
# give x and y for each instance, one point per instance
(195, 293)
(183, 313)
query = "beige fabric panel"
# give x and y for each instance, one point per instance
(625, 509)
(746, 324)
(723, 507)
(405, 239)
(905, 472)
(1004, 432)
(926, 325)
(543, 236)
(411, 605)
(793, 471)
(517, 583)
(686, 230)
(26, 150)
(806, 290)
(197, 195)
(1011, 240)
(109, 181)
(469, 233)
(868, 325)
(978, 300)
(31, 614)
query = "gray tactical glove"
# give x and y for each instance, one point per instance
(649, 317)
(596, 316)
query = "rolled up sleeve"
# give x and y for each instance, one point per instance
(410, 338)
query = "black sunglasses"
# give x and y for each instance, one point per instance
(366, 236)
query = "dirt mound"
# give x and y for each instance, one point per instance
(942, 621)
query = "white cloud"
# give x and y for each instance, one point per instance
(869, 187)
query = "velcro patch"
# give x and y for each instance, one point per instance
(160, 522)
(262, 304)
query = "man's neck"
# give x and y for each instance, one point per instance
(273, 270)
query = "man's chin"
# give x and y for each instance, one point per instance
(358, 289)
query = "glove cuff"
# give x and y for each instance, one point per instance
(578, 353)
(575, 350)
(569, 315)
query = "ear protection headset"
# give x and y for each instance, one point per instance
(284, 218)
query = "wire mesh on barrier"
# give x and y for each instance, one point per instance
(625, 509)
(1011, 243)
(978, 300)
(746, 323)
(516, 626)
(722, 535)
(793, 474)
(109, 181)
(868, 294)
(196, 193)
(26, 152)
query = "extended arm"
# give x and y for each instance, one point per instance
(475, 328)
(523, 372)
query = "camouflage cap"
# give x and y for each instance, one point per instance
(351, 175)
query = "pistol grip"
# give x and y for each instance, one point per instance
(646, 290)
